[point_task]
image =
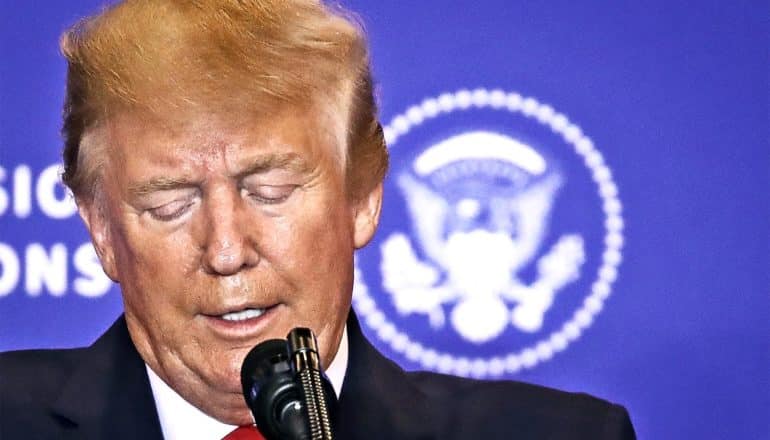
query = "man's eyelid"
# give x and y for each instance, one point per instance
(184, 205)
(269, 194)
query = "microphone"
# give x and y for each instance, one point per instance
(286, 390)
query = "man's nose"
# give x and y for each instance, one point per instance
(228, 244)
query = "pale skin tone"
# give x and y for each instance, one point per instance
(214, 218)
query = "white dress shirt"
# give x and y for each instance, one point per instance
(179, 419)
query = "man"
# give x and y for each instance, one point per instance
(227, 161)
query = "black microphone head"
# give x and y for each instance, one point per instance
(264, 361)
(272, 394)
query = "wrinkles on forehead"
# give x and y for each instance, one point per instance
(204, 140)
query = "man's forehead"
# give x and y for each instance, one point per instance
(292, 140)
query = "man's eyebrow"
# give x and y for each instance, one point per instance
(285, 161)
(157, 184)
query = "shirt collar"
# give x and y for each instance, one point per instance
(179, 419)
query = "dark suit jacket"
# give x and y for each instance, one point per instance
(102, 392)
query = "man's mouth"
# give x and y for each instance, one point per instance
(242, 315)
(241, 322)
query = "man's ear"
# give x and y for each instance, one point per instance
(94, 216)
(367, 216)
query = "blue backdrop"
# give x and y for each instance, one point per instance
(602, 167)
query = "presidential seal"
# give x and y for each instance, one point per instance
(500, 241)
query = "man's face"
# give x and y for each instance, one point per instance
(224, 235)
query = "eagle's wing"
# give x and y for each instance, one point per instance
(429, 213)
(531, 209)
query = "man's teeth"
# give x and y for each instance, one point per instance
(243, 315)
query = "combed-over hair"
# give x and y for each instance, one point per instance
(172, 58)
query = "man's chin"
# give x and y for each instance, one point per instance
(240, 418)
(224, 401)
(227, 382)
(236, 414)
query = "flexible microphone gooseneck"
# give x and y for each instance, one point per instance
(286, 390)
(306, 364)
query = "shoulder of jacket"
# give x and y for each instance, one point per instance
(498, 408)
(31, 375)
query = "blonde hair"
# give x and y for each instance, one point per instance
(170, 58)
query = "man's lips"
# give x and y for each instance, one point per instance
(237, 311)
(241, 322)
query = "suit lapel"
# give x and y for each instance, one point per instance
(378, 400)
(108, 395)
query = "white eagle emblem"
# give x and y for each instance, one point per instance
(476, 240)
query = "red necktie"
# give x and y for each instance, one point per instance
(248, 432)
